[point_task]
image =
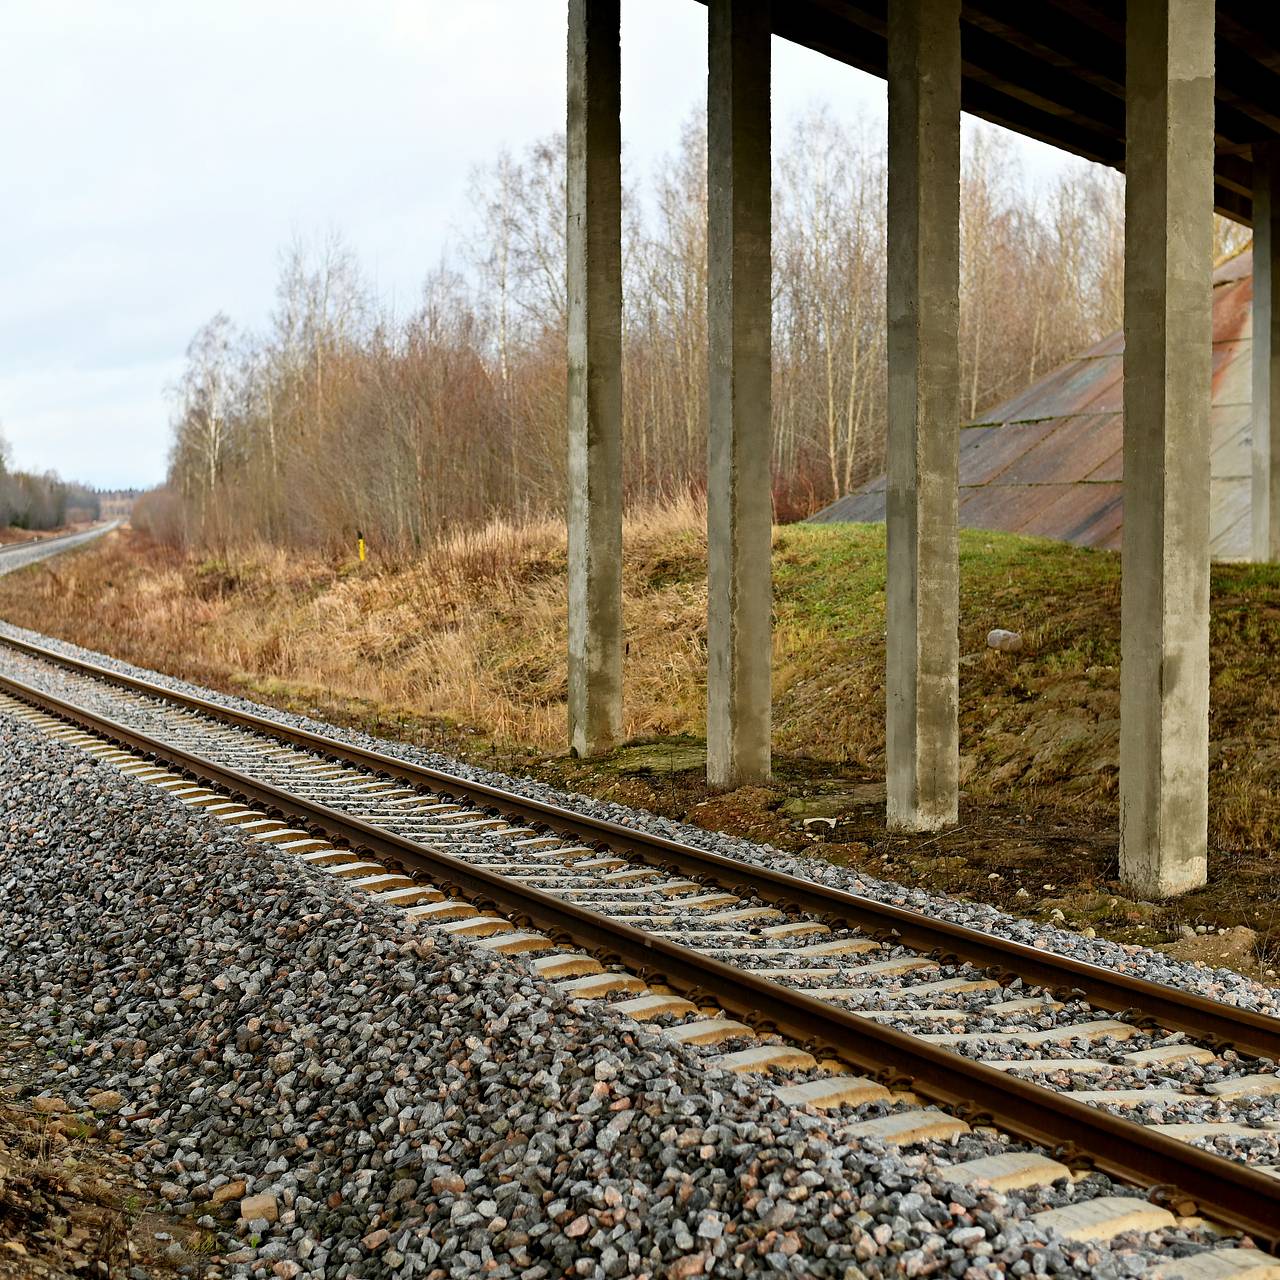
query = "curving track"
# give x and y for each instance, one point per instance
(855, 997)
(17, 555)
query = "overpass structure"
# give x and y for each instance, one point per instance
(1049, 461)
(1182, 95)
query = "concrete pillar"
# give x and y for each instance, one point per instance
(1168, 326)
(739, 492)
(922, 591)
(595, 376)
(1266, 352)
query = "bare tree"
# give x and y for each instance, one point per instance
(204, 409)
(340, 417)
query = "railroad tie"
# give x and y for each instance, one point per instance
(516, 942)
(794, 929)
(290, 842)
(1127, 1098)
(1008, 1171)
(739, 914)
(1221, 1264)
(1164, 1054)
(1194, 1132)
(633, 875)
(289, 836)
(1253, 1086)
(707, 901)
(832, 1091)
(594, 986)
(562, 964)
(1101, 1219)
(952, 985)
(1095, 1029)
(708, 1031)
(761, 1057)
(1031, 1004)
(672, 888)
(476, 926)
(1050, 1066)
(654, 1005)
(381, 883)
(877, 969)
(235, 815)
(447, 909)
(408, 897)
(356, 870)
(906, 1128)
(328, 857)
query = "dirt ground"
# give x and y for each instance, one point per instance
(70, 1204)
(1033, 864)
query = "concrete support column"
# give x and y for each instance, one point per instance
(1164, 665)
(739, 492)
(922, 591)
(595, 376)
(1266, 352)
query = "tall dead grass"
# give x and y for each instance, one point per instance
(472, 634)
(465, 647)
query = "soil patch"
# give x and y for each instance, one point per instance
(69, 1202)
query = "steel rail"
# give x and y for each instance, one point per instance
(1216, 1025)
(1184, 1177)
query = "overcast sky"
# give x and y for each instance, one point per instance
(157, 156)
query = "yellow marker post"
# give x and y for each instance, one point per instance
(360, 546)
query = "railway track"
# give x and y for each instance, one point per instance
(857, 1000)
(17, 555)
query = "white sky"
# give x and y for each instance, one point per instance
(157, 156)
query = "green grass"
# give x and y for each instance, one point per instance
(1040, 726)
(467, 646)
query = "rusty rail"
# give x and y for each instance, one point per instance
(1216, 1025)
(1177, 1173)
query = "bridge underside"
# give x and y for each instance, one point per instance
(1182, 95)
(1055, 70)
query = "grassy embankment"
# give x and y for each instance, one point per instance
(464, 650)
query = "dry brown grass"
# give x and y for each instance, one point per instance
(473, 634)
(69, 1205)
(465, 647)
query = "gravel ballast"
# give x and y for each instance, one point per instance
(1220, 984)
(402, 1103)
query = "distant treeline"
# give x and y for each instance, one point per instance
(342, 416)
(29, 501)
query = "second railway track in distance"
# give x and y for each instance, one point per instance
(17, 555)
(866, 996)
